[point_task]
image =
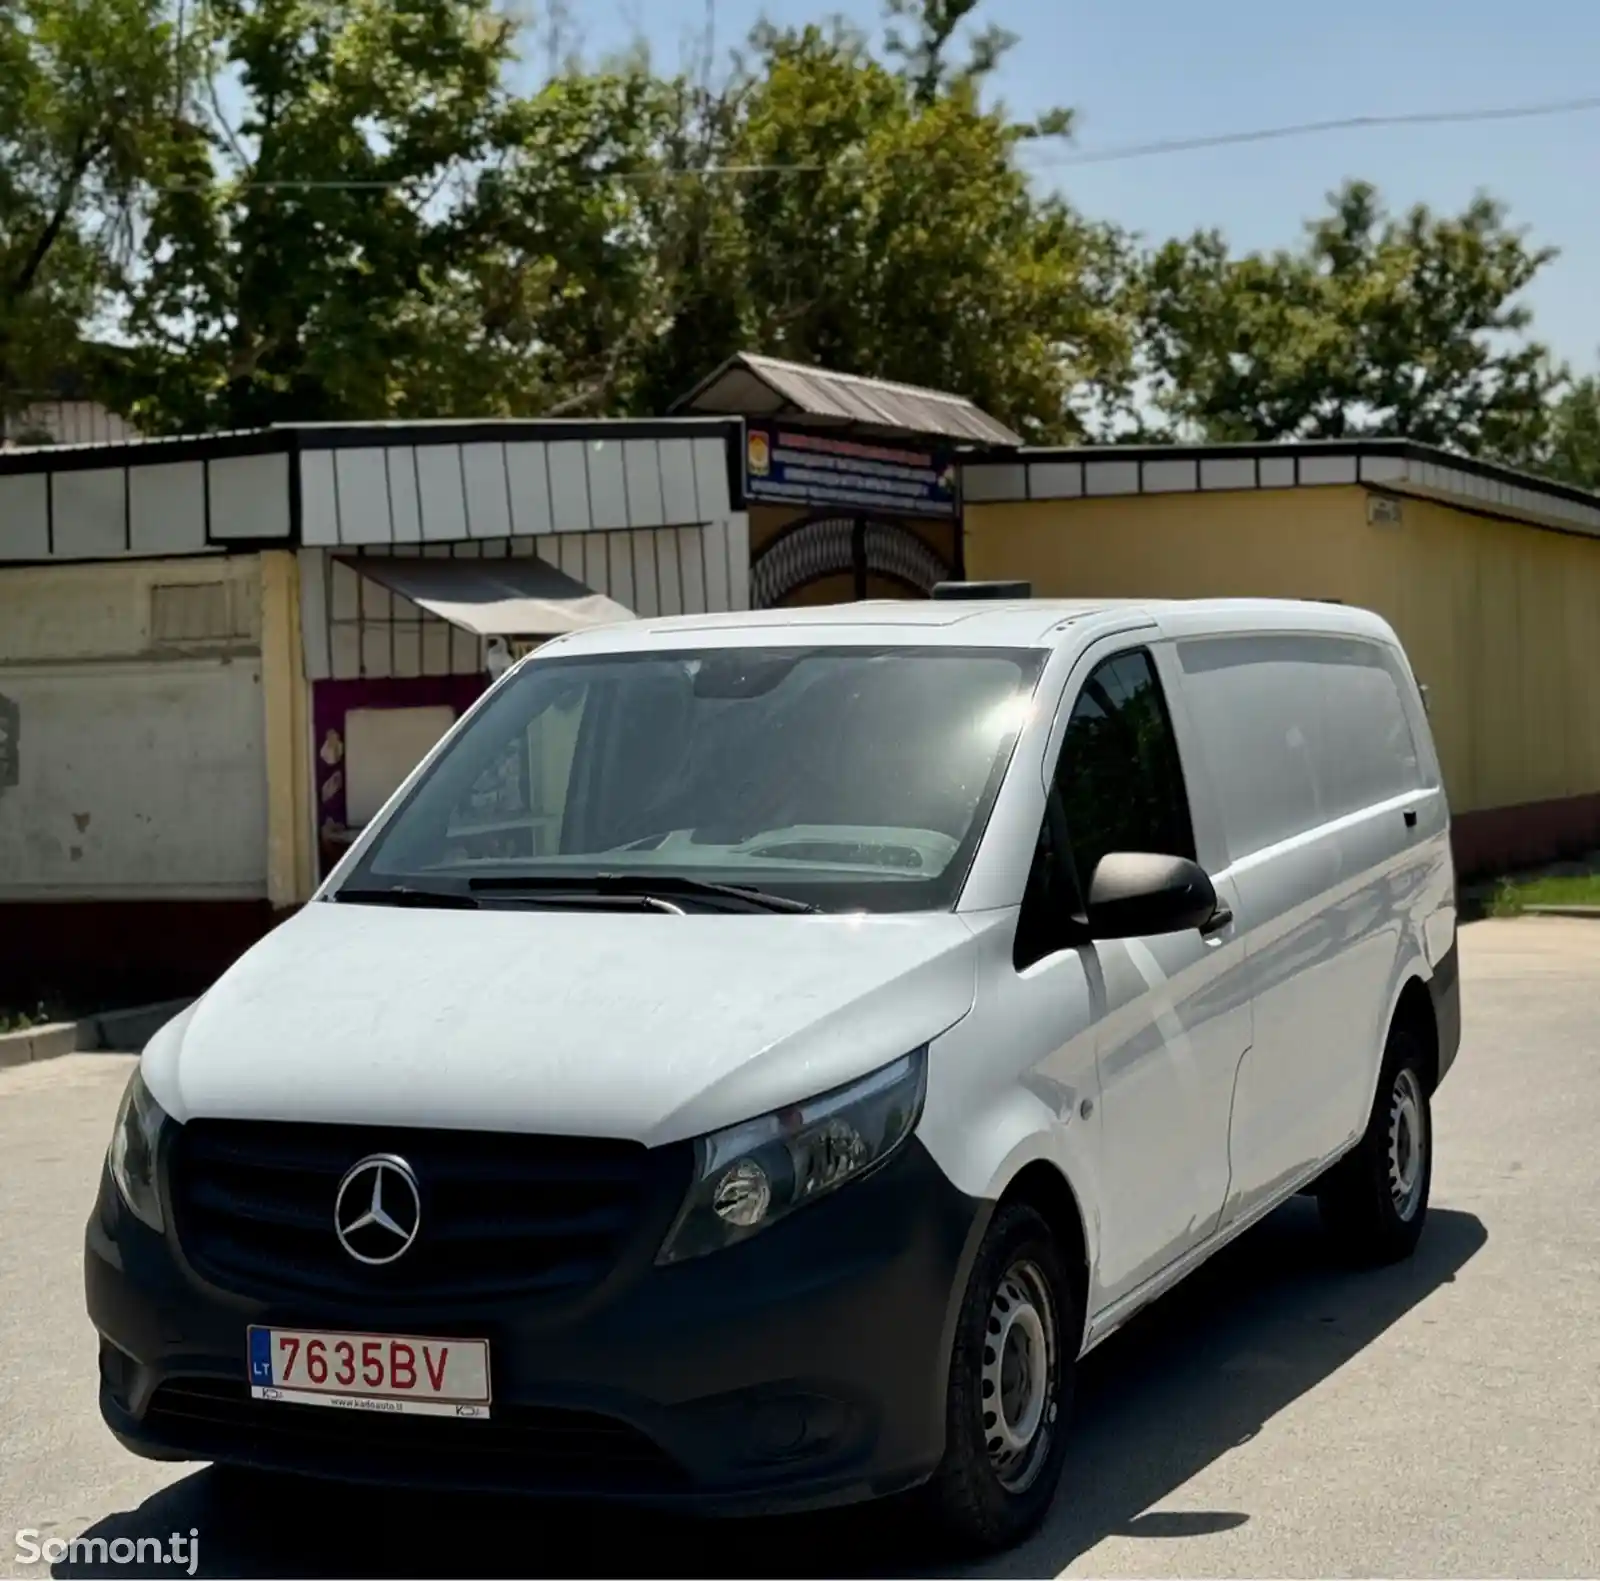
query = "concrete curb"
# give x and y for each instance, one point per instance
(1592, 912)
(119, 1031)
(41, 1042)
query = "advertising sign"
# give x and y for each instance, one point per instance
(788, 467)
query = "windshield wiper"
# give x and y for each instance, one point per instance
(406, 895)
(644, 885)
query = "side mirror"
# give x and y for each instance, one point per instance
(1133, 894)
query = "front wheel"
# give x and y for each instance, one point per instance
(1010, 1391)
(1374, 1202)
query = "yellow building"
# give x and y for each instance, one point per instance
(1490, 577)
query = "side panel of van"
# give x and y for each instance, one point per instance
(1317, 768)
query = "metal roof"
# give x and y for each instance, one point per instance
(1398, 466)
(748, 385)
(289, 438)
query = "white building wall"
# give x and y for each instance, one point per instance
(646, 521)
(131, 697)
(143, 500)
(493, 489)
(355, 629)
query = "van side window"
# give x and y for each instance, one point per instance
(1299, 729)
(1370, 750)
(1119, 775)
(1118, 786)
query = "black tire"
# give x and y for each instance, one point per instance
(982, 1501)
(1374, 1201)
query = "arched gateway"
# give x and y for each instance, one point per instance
(851, 484)
(824, 547)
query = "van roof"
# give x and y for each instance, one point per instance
(981, 623)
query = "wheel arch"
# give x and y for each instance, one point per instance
(1031, 1174)
(1413, 1009)
(1410, 1004)
(1044, 1188)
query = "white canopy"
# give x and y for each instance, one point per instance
(519, 596)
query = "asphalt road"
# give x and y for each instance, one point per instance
(1274, 1418)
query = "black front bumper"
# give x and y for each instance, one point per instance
(804, 1367)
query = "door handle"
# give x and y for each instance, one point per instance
(1220, 919)
(1410, 816)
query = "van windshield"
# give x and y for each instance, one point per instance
(846, 778)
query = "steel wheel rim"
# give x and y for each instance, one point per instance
(1017, 1380)
(1408, 1145)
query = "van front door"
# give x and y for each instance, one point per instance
(1176, 1008)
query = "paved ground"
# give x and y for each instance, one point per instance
(1275, 1419)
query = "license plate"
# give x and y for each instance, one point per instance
(371, 1372)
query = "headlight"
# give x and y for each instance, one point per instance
(132, 1156)
(755, 1173)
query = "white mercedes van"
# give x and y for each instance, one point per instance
(754, 1057)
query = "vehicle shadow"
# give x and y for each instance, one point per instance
(1190, 1379)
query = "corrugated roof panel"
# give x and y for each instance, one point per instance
(846, 397)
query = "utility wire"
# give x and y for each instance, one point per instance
(1092, 156)
(292, 185)
(1181, 145)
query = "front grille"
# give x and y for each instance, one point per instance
(253, 1204)
(516, 1445)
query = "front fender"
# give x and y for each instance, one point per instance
(990, 1115)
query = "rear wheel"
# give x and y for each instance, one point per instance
(1011, 1374)
(1374, 1202)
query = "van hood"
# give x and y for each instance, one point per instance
(650, 1027)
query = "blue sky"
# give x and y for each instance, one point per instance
(1140, 72)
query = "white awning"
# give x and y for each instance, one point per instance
(519, 596)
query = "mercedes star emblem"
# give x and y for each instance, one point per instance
(378, 1210)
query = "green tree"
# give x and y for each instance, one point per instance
(924, 51)
(91, 99)
(362, 221)
(1410, 325)
(557, 282)
(302, 254)
(1572, 450)
(879, 221)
